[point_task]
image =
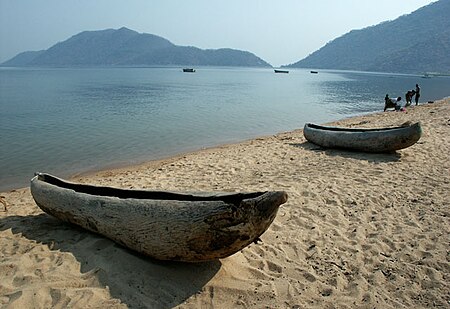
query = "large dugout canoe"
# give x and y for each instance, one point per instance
(186, 227)
(366, 140)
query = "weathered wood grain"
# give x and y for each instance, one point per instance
(162, 225)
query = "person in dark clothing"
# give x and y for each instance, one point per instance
(417, 94)
(387, 102)
(408, 97)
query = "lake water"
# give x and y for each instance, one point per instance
(66, 121)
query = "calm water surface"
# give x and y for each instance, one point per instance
(66, 121)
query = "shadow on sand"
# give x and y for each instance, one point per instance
(136, 280)
(365, 156)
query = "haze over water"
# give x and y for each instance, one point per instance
(66, 121)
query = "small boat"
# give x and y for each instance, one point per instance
(281, 71)
(164, 225)
(188, 70)
(314, 72)
(365, 140)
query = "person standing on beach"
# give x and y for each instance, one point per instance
(387, 100)
(417, 94)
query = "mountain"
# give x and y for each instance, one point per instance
(125, 47)
(25, 57)
(414, 43)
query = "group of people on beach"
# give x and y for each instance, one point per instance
(395, 102)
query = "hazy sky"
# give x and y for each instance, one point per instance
(278, 31)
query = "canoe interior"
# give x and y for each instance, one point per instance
(234, 198)
(342, 129)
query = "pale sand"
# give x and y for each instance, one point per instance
(359, 231)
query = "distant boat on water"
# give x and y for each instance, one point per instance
(314, 72)
(281, 71)
(188, 70)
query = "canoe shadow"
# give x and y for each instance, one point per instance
(365, 156)
(138, 281)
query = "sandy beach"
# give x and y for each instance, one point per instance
(358, 231)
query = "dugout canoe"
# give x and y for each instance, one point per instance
(281, 71)
(189, 227)
(365, 140)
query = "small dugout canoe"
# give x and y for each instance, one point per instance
(362, 139)
(281, 71)
(187, 227)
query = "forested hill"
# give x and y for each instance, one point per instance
(414, 43)
(125, 47)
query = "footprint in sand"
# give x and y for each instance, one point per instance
(309, 277)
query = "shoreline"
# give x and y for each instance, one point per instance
(163, 159)
(170, 158)
(118, 167)
(358, 230)
(101, 145)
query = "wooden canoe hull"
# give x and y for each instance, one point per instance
(162, 225)
(365, 140)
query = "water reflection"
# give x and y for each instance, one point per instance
(70, 120)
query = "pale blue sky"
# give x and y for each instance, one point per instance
(280, 32)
